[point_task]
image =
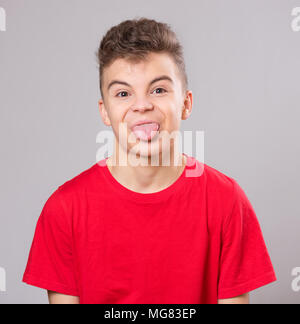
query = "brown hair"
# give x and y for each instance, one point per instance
(134, 39)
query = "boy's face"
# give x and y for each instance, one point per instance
(140, 98)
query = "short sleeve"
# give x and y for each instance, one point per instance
(50, 263)
(245, 264)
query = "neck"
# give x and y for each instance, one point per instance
(146, 177)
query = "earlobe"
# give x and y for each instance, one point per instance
(187, 105)
(103, 113)
(185, 113)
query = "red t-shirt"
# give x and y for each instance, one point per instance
(194, 242)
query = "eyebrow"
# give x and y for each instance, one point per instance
(163, 77)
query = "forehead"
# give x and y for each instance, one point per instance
(153, 65)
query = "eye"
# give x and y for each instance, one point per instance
(160, 89)
(121, 92)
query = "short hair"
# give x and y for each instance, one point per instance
(135, 39)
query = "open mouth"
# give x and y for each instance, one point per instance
(147, 131)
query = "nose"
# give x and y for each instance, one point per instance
(142, 104)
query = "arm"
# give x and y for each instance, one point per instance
(56, 298)
(243, 299)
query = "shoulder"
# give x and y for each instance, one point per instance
(82, 182)
(72, 191)
(219, 185)
(218, 178)
(228, 186)
(218, 192)
(70, 195)
(232, 198)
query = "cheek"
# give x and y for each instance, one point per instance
(117, 115)
(172, 118)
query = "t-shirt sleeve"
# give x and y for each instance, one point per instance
(50, 263)
(245, 264)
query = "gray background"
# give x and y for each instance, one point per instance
(243, 63)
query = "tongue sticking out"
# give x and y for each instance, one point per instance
(146, 132)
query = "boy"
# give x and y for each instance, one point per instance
(147, 234)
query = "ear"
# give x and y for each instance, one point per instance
(103, 113)
(188, 105)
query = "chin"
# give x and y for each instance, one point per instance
(144, 152)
